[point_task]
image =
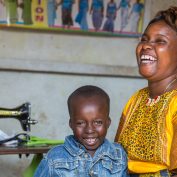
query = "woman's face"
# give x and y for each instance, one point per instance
(157, 52)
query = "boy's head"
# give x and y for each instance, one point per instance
(89, 116)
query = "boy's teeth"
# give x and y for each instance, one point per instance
(91, 140)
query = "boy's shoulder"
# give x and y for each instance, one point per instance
(114, 151)
(117, 148)
(114, 144)
(117, 145)
(120, 152)
(66, 150)
(56, 152)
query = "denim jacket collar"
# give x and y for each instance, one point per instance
(76, 149)
(73, 147)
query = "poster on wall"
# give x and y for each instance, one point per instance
(98, 17)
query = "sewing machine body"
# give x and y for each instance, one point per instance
(21, 113)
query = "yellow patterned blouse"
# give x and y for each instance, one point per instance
(149, 133)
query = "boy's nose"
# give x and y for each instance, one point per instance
(89, 128)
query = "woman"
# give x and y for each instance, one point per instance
(111, 12)
(81, 18)
(11, 9)
(67, 6)
(27, 12)
(148, 126)
(124, 8)
(97, 9)
(51, 12)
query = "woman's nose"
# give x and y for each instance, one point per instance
(147, 45)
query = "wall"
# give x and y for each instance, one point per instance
(160, 5)
(44, 68)
(48, 95)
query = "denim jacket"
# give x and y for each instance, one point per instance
(72, 160)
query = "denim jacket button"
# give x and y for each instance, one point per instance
(86, 155)
(91, 173)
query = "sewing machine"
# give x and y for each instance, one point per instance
(22, 113)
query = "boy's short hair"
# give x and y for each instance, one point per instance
(88, 91)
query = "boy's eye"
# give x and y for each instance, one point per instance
(98, 122)
(81, 123)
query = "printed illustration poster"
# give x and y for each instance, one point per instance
(39, 12)
(94, 16)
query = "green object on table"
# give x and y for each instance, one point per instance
(36, 141)
(29, 171)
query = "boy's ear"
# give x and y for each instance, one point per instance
(70, 124)
(108, 122)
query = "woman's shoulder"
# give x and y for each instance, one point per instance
(173, 98)
(139, 93)
(142, 91)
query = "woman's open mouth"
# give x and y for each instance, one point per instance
(147, 59)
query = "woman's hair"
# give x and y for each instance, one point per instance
(169, 16)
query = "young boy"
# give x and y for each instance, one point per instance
(87, 152)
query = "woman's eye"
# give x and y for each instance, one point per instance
(160, 41)
(143, 39)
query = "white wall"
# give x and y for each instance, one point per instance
(48, 95)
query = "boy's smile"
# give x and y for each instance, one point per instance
(90, 121)
(90, 141)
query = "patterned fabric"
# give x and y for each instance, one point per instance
(149, 133)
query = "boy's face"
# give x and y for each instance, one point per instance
(90, 121)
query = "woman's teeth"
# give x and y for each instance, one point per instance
(147, 59)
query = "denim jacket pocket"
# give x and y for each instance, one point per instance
(113, 166)
(64, 168)
(66, 164)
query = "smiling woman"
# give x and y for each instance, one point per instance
(148, 126)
